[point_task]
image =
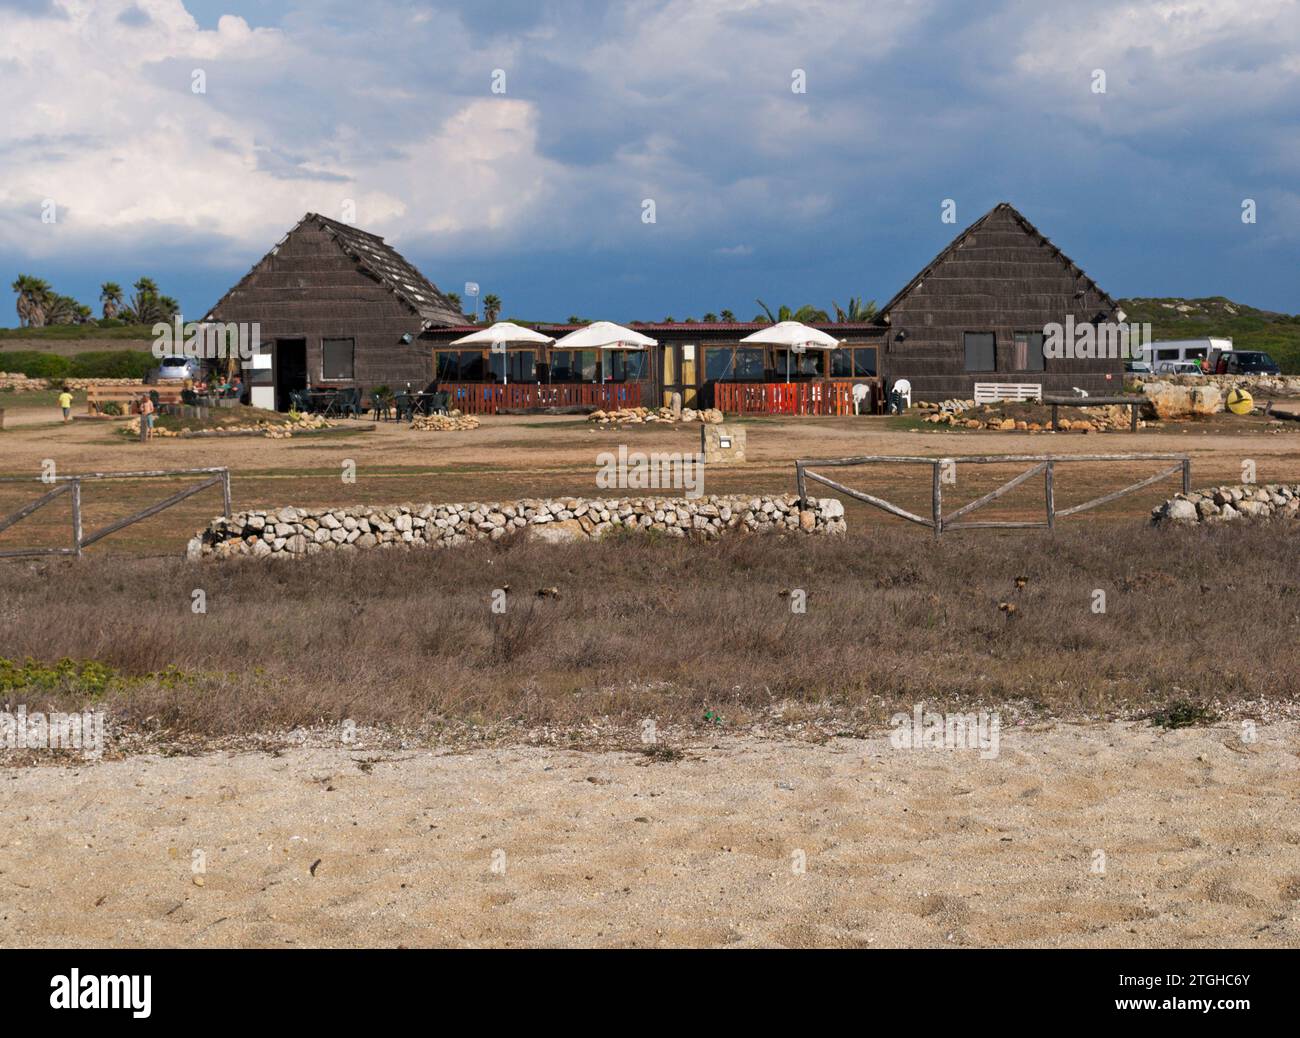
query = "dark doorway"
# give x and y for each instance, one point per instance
(290, 370)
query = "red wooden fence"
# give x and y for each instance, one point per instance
(796, 398)
(489, 398)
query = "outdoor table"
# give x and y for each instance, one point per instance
(321, 400)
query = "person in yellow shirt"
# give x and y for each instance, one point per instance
(65, 402)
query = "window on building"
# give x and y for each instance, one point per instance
(1028, 351)
(472, 366)
(448, 365)
(749, 363)
(980, 352)
(573, 366)
(734, 363)
(513, 366)
(853, 362)
(338, 358)
(811, 364)
(627, 365)
(719, 363)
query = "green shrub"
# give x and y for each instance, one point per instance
(111, 407)
(86, 677)
(35, 364)
(113, 364)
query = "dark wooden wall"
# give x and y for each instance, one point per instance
(1002, 280)
(310, 288)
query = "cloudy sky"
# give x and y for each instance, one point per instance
(537, 192)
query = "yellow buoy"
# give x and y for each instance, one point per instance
(1240, 402)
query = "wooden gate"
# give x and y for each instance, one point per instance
(1044, 464)
(72, 485)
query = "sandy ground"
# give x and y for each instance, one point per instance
(1200, 832)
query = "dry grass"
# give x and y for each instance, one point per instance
(672, 630)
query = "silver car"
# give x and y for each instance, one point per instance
(175, 369)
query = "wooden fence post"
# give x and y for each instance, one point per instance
(1049, 489)
(76, 516)
(936, 499)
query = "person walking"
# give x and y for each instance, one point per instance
(65, 402)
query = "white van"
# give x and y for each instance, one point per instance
(1154, 353)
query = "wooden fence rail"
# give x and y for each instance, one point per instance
(490, 397)
(1039, 463)
(794, 398)
(72, 485)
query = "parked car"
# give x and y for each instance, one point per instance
(175, 368)
(1248, 362)
(1179, 367)
(1137, 367)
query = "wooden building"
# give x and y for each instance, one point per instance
(340, 308)
(337, 308)
(704, 362)
(976, 314)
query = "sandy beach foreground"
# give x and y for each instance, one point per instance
(1075, 835)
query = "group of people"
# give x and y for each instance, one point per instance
(147, 403)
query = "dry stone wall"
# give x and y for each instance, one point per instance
(1224, 504)
(20, 383)
(295, 532)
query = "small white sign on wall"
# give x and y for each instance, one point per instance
(688, 352)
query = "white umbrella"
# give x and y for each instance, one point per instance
(503, 333)
(605, 335)
(795, 336)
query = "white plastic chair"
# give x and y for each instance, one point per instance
(860, 391)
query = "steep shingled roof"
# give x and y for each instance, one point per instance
(961, 239)
(378, 260)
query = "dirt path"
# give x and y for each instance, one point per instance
(511, 457)
(1200, 831)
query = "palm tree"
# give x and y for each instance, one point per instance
(148, 306)
(710, 318)
(728, 317)
(857, 311)
(454, 299)
(491, 307)
(807, 314)
(34, 296)
(61, 309)
(110, 294)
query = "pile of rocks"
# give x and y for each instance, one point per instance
(291, 532)
(953, 405)
(1102, 418)
(643, 415)
(1223, 504)
(453, 421)
(295, 422)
